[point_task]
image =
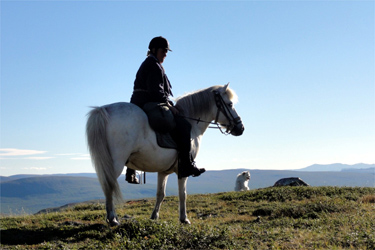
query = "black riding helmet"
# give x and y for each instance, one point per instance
(159, 42)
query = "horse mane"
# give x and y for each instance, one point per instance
(199, 102)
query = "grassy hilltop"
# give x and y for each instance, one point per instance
(269, 218)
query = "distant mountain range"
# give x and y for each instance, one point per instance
(32, 193)
(23, 176)
(340, 167)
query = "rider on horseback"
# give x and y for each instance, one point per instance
(152, 85)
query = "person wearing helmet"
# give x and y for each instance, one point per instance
(152, 85)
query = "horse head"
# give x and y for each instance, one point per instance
(226, 115)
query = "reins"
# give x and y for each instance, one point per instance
(217, 125)
(221, 107)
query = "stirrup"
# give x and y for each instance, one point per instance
(132, 179)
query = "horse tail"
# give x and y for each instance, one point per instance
(96, 132)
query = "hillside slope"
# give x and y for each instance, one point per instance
(29, 195)
(269, 218)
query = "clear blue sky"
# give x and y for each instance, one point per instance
(303, 71)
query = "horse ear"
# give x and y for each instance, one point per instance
(226, 87)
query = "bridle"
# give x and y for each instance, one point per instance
(225, 110)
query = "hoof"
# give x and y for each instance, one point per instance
(113, 223)
(154, 216)
(186, 221)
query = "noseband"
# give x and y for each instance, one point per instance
(223, 108)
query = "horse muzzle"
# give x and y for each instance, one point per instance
(238, 127)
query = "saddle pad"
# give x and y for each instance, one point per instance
(165, 140)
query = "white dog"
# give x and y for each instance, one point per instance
(242, 181)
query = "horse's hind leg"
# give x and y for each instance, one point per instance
(112, 219)
(113, 192)
(182, 198)
(160, 194)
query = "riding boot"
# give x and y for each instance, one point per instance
(187, 167)
(131, 176)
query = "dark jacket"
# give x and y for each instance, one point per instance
(151, 83)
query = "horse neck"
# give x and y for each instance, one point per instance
(206, 115)
(197, 131)
(200, 127)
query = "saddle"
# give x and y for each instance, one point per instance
(165, 140)
(162, 121)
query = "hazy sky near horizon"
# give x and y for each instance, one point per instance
(303, 72)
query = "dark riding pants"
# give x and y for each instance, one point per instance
(181, 135)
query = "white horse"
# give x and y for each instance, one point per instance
(119, 134)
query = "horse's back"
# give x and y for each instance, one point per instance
(126, 118)
(121, 109)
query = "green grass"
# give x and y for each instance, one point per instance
(269, 218)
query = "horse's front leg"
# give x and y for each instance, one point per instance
(182, 198)
(160, 194)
